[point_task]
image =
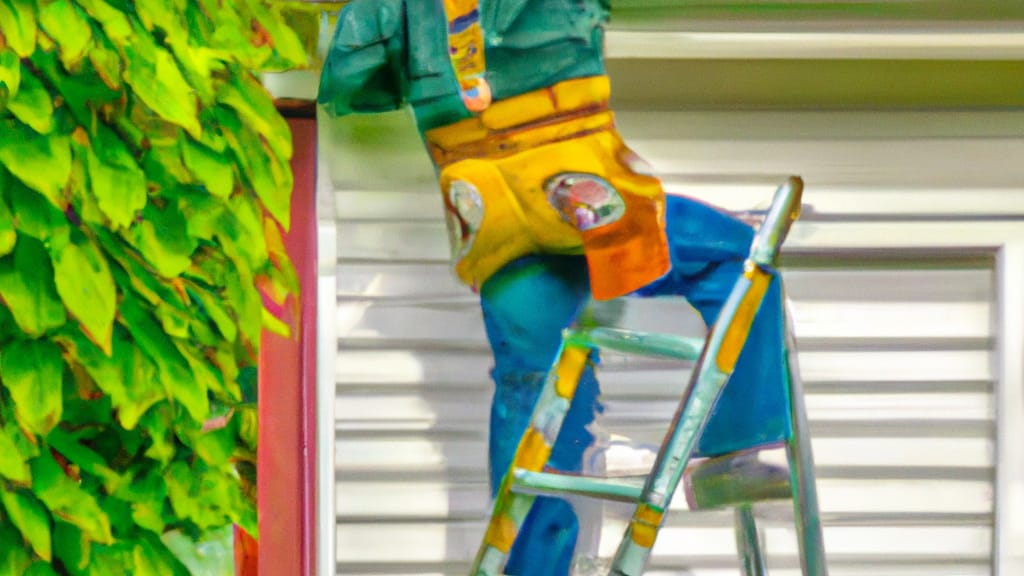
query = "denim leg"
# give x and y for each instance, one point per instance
(708, 248)
(526, 306)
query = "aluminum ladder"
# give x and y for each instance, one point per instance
(734, 480)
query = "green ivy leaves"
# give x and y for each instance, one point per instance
(154, 76)
(69, 29)
(141, 164)
(151, 559)
(28, 289)
(14, 555)
(172, 367)
(29, 516)
(10, 71)
(8, 235)
(32, 371)
(18, 21)
(162, 238)
(116, 24)
(38, 218)
(43, 164)
(12, 463)
(86, 286)
(209, 167)
(116, 179)
(33, 104)
(40, 569)
(85, 458)
(71, 546)
(68, 501)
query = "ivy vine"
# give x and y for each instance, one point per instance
(144, 185)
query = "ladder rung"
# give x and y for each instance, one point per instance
(640, 343)
(548, 484)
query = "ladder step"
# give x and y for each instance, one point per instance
(549, 484)
(640, 343)
(736, 479)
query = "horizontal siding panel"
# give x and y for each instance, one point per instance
(833, 202)
(818, 126)
(436, 542)
(385, 456)
(419, 366)
(387, 371)
(725, 566)
(408, 241)
(387, 500)
(860, 567)
(390, 501)
(963, 542)
(920, 365)
(867, 407)
(936, 163)
(422, 283)
(840, 319)
(817, 44)
(396, 366)
(393, 281)
(467, 410)
(861, 150)
(836, 319)
(413, 241)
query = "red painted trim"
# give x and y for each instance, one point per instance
(305, 230)
(287, 393)
(246, 553)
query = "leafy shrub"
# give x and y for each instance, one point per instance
(140, 158)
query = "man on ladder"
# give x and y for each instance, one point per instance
(547, 207)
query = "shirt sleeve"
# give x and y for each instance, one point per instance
(362, 71)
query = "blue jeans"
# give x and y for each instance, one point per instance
(528, 303)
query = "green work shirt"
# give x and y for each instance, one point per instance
(387, 53)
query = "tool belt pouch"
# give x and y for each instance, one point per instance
(570, 197)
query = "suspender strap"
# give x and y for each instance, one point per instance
(466, 52)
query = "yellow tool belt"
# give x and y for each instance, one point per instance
(494, 169)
